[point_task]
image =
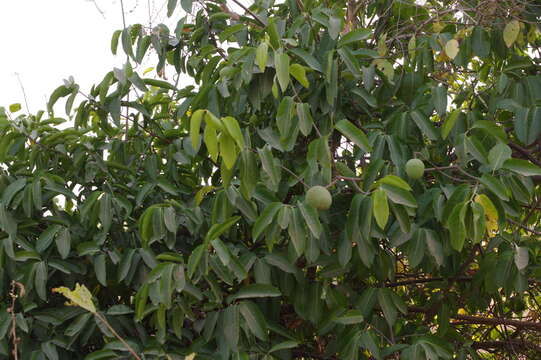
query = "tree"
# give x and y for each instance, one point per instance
(181, 208)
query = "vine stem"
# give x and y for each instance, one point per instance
(128, 347)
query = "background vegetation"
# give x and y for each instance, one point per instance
(182, 208)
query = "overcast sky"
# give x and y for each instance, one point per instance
(45, 41)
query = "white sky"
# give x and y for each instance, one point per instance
(46, 41)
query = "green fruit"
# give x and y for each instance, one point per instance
(415, 168)
(319, 197)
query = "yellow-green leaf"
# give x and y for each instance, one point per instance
(380, 208)
(385, 67)
(228, 150)
(451, 48)
(195, 126)
(233, 129)
(281, 63)
(211, 141)
(510, 32)
(262, 55)
(200, 195)
(81, 296)
(412, 44)
(490, 212)
(299, 73)
(14, 107)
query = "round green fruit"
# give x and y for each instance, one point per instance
(415, 168)
(319, 197)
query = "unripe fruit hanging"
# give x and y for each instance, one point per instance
(319, 197)
(415, 169)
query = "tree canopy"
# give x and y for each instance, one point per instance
(178, 211)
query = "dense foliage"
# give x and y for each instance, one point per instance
(182, 207)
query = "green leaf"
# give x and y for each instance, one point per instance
(171, 5)
(309, 59)
(480, 42)
(439, 98)
(289, 344)
(228, 150)
(195, 259)
(268, 164)
(522, 167)
(449, 123)
(100, 269)
(385, 300)
(496, 186)
(63, 242)
(528, 124)
(498, 155)
(297, 231)
(233, 129)
(254, 291)
(254, 319)
(262, 55)
(218, 229)
(195, 126)
(367, 97)
(396, 182)
(186, 5)
(491, 128)
(354, 134)
(46, 238)
(350, 317)
(434, 246)
(425, 125)
(265, 219)
(354, 36)
(399, 195)
(306, 122)
(281, 262)
(281, 63)
(299, 73)
(457, 227)
(311, 218)
(283, 116)
(351, 61)
(114, 41)
(59, 92)
(12, 190)
(274, 37)
(335, 25)
(230, 326)
(380, 207)
(40, 280)
(211, 141)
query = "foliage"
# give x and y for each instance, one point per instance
(181, 207)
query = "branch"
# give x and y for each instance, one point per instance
(426, 280)
(525, 153)
(254, 15)
(521, 344)
(470, 319)
(524, 227)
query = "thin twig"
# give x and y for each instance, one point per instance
(24, 92)
(524, 227)
(254, 15)
(128, 347)
(11, 310)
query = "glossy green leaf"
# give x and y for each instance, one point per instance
(380, 208)
(354, 134)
